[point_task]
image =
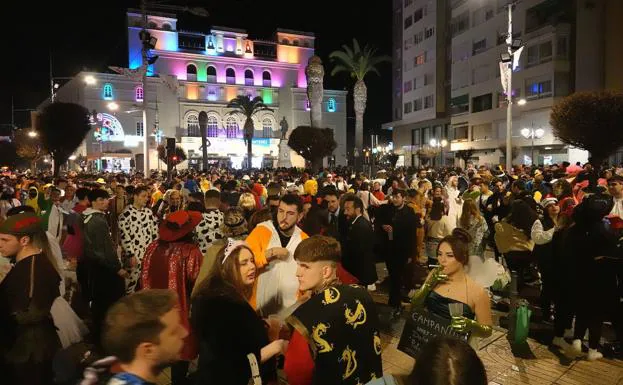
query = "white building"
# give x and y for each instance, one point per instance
(195, 73)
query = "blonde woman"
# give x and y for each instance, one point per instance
(247, 204)
(473, 222)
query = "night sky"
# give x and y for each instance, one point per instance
(95, 37)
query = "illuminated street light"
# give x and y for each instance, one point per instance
(530, 133)
(444, 143)
(33, 134)
(73, 157)
(113, 106)
(522, 102)
(90, 80)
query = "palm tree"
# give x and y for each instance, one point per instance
(247, 107)
(357, 63)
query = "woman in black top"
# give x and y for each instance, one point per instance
(232, 338)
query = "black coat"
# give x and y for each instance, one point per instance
(228, 329)
(404, 223)
(358, 253)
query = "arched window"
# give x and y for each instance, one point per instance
(285, 41)
(267, 127)
(211, 72)
(295, 42)
(212, 126)
(138, 93)
(192, 125)
(230, 76)
(305, 43)
(231, 127)
(107, 93)
(166, 26)
(331, 105)
(191, 72)
(248, 78)
(266, 81)
(152, 25)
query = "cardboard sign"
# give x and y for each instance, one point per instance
(421, 327)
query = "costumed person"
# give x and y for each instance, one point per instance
(335, 337)
(33, 199)
(209, 229)
(450, 284)
(543, 232)
(117, 205)
(273, 243)
(28, 341)
(455, 203)
(234, 345)
(137, 229)
(437, 226)
(173, 262)
(472, 221)
(234, 227)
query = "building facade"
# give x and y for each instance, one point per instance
(420, 77)
(559, 56)
(194, 73)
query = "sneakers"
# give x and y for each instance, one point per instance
(576, 347)
(593, 355)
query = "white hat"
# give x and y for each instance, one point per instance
(246, 177)
(548, 201)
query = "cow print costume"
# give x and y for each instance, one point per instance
(209, 229)
(137, 229)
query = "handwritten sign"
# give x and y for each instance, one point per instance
(421, 327)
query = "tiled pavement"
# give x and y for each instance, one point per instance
(535, 364)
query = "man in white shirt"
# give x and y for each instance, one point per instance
(56, 220)
(615, 187)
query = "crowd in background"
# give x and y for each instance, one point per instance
(252, 263)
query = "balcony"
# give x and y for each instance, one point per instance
(222, 132)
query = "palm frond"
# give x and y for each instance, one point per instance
(356, 46)
(340, 68)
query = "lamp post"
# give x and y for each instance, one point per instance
(531, 133)
(439, 144)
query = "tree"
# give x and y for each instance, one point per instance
(426, 153)
(313, 144)
(246, 107)
(358, 63)
(466, 155)
(29, 147)
(514, 151)
(592, 121)
(8, 154)
(203, 126)
(62, 128)
(176, 158)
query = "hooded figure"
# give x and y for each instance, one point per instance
(33, 199)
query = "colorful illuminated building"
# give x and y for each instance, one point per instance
(199, 72)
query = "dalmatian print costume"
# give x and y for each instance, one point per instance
(209, 229)
(137, 229)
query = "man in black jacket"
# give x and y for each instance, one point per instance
(401, 234)
(338, 224)
(106, 282)
(358, 253)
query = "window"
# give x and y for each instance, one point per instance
(192, 125)
(418, 82)
(138, 93)
(230, 76)
(295, 42)
(536, 89)
(407, 86)
(166, 26)
(417, 104)
(481, 15)
(419, 59)
(416, 139)
(408, 3)
(231, 127)
(479, 46)
(407, 107)
(191, 72)
(408, 21)
(482, 103)
(212, 126)
(461, 132)
(460, 23)
(429, 101)
(459, 104)
(429, 32)
(561, 47)
(211, 72)
(107, 92)
(285, 41)
(460, 52)
(266, 82)
(331, 105)
(426, 135)
(267, 127)
(248, 78)
(152, 25)
(418, 37)
(540, 53)
(408, 43)
(417, 15)
(139, 129)
(482, 131)
(428, 79)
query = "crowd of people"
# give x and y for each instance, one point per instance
(251, 273)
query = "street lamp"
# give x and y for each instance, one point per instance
(90, 80)
(112, 106)
(33, 134)
(439, 144)
(531, 133)
(522, 102)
